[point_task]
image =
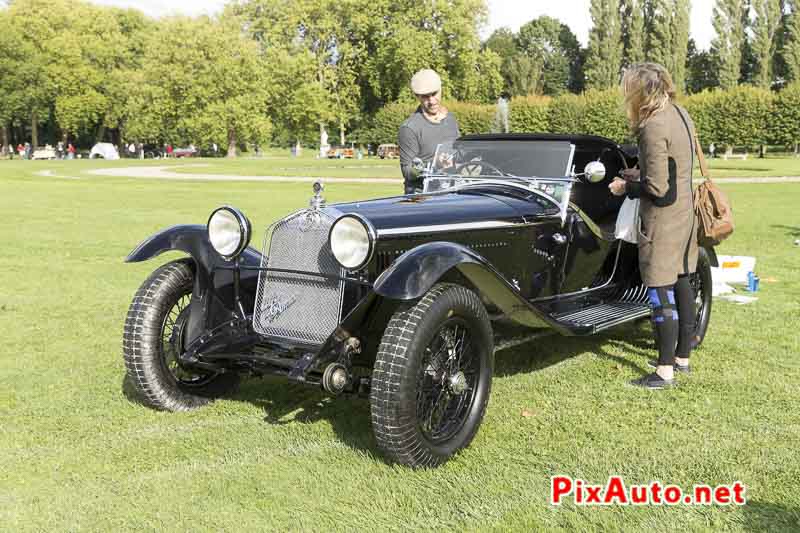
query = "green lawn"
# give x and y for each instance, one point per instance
(278, 163)
(76, 454)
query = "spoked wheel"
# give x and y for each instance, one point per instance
(173, 337)
(432, 377)
(153, 338)
(702, 286)
(448, 375)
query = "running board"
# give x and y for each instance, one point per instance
(595, 318)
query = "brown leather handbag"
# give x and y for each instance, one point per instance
(712, 207)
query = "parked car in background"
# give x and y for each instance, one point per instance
(397, 298)
(340, 153)
(46, 152)
(189, 151)
(388, 151)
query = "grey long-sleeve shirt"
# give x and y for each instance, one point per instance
(419, 137)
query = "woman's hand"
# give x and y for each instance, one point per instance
(617, 187)
(630, 174)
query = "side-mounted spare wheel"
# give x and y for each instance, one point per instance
(432, 377)
(154, 336)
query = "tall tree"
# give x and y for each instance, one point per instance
(551, 45)
(503, 42)
(604, 60)
(699, 69)
(727, 46)
(667, 28)
(791, 53)
(204, 82)
(633, 35)
(767, 21)
(680, 42)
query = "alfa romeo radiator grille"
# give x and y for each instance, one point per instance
(301, 307)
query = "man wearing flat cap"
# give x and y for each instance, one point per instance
(430, 125)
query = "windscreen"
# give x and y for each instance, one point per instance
(507, 158)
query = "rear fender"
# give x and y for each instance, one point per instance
(712, 255)
(415, 272)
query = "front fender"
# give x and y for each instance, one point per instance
(415, 272)
(192, 239)
(212, 295)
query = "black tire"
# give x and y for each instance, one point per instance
(410, 380)
(153, 337)
(702, 285)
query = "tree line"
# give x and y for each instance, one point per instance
(276, 71)
(757, 43)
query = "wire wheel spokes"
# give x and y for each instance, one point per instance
(172, 343)
(696, 282)
(447, 381)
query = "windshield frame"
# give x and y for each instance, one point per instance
(445, 153)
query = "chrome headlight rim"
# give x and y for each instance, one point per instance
(372, 237)
(245, 231)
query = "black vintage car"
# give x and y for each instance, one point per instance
(395, 298)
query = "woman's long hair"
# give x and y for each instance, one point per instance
(648, 89)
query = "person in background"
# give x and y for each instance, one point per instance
(667, 237)
(427, 127)
(21, 151)
(70, 151)
(711, 150)
(28, 151)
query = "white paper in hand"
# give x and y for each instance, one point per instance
(628, 221)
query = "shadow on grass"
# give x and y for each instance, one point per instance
(792, 231)
(553, 349)
(764, 516)
(349, 415)
(290, 403)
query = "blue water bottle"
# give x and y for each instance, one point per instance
(752, 282)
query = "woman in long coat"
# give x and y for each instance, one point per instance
(667, 235)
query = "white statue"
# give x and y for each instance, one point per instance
(323, 142)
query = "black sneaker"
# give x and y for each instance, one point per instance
(683, 369)
(654, 381)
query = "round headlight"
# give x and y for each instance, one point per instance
(228, 231)
(351, 242)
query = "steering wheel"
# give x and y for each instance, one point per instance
(474, 168)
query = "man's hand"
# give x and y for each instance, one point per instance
(630, 174)
(617, 187)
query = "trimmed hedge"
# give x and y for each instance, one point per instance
(737, 117)
(785, 120)
(742, 116)
(529, 114)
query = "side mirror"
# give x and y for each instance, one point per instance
(594, 171)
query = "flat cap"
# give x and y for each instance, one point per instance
(426, 81)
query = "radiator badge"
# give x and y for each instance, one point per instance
(276, 306)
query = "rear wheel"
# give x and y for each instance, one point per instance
(432, 377)
(153, 338)
(701, 284)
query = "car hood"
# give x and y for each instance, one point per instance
(457, 211)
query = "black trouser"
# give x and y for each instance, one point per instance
(673, 319)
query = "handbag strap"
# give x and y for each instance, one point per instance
(698, 150)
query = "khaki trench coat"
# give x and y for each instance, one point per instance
(667, 232)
